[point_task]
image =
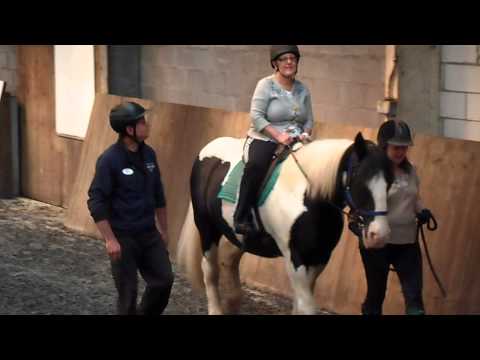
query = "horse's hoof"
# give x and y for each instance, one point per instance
(215, 312)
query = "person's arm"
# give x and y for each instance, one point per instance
(259, 105)
(160, 205)
(281, 137)
(423, 214)
(308, 127)
(98, 203)
(161, 214)
(112, 245)
(258, 113)
(419, 205)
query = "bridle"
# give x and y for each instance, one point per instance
(357, 214)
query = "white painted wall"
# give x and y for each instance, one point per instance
(8, 67)
(460, 92)
(74, 88)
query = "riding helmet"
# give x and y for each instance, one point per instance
(278, 50)
(394, 132)
(125, 114)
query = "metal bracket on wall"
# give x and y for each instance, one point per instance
(388, 107)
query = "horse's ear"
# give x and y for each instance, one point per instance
(360, 146)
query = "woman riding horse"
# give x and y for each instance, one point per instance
(279, 102)
(302, 216)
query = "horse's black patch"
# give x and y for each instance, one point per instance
(205, 182)
(315, 234)
(317, 231)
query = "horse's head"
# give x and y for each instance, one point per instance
(368, 179)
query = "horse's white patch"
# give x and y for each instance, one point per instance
(379, 226)
(226, 149)
(127, 171)
(283, 207)
(303, 283)
(211, 277)
(320, 160)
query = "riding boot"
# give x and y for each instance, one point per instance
(242, 218)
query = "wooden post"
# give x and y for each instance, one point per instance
(101, 69)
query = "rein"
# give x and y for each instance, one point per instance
(356, 214)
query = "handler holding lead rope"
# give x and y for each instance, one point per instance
(406, 215)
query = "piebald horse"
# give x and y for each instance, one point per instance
(302, 217)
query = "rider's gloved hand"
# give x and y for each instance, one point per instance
(305, 137)
(285, 139)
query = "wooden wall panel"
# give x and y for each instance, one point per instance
(71, 152)
(450, 186)
(41, 154)
(5, 148)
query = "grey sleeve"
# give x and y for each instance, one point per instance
(308, 104)
(259, 105)
(419, 206)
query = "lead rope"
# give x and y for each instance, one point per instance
(432, 226)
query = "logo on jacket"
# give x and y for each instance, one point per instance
(150, 166)
(127, 171)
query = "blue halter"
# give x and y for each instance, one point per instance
(361, 214)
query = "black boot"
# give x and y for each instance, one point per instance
(242, 218)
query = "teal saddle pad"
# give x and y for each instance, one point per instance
(229, 190)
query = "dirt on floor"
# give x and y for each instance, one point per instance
(46, 268)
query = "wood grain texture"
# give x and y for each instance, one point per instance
(6, 166)
(450, 186)
(41, 153)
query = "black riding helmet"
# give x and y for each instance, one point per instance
(126, 114)
(394, 132)
(278, 50)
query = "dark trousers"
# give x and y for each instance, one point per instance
(407, 262)
(260, 156)
(146, 253)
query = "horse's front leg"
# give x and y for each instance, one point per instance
(303, 279)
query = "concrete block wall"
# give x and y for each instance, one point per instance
(345, 80)
(460, 91)
(8, 67)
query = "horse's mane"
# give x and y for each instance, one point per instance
(320, 160)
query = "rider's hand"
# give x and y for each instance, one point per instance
(284, 138)
(304, 137)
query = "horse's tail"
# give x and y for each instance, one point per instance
(189, 251)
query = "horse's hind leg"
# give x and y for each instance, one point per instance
(230, 262)
(210, 277)
(210, 239)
